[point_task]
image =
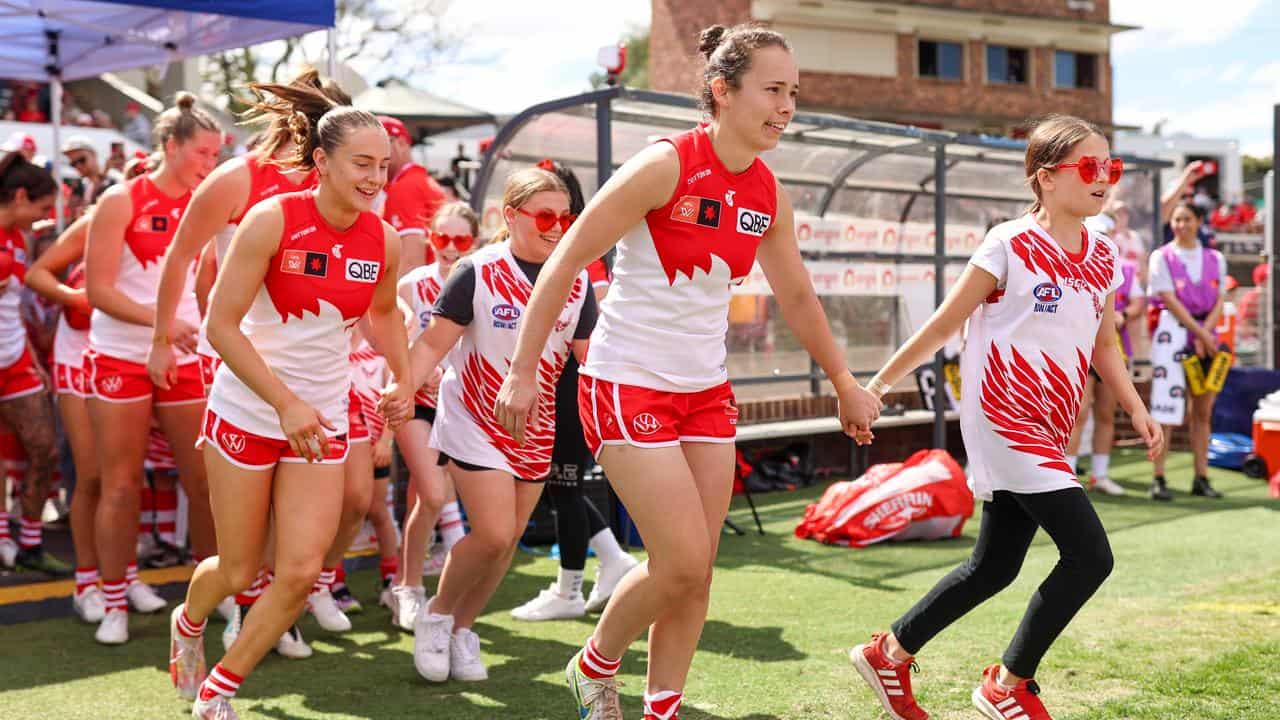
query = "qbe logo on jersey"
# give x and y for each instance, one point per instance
(752, 222)
(365, 271)
(1047, 296)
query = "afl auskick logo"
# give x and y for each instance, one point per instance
(1047, 296)
(645, 424)
(505, 316)
(752, 222)
(233, 442)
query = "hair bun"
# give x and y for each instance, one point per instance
(184, 100)
(709, 39)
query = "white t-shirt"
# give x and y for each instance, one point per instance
(1192, 259)
(1027, 355)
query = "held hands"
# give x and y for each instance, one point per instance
(516, 407)
(304, 428)
(396, 404)
(184, 335)
(859, 408)
(382, 450)
(1151, 433)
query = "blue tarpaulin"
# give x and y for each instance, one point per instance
(84, 39)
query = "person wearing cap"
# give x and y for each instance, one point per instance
(137, 127)
(82, 156)
(411, 198)
(21, 143)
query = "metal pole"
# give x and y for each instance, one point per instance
(1273, 209)
(55, 109)
(331, 41)
(1157, 222)
(604, 141)
(1269, 296)
(940, 289)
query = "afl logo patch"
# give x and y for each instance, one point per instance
(752, 222)
(364, 271)
(505, 316)
(645, 424)
(697, 211)
(1047, 296)
(301, 262)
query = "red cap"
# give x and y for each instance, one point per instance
(20, 141)
(132, 105)
(1261, 272)
(394, 127)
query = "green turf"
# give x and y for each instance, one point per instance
(1188, 626)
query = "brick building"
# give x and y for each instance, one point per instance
(965, 65)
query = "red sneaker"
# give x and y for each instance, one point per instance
(1020, 703)
(891, 682)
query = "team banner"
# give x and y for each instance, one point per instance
(1168, 380)
(846, 234)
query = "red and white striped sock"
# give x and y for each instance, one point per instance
(131, 573)
(113, 591)
(662, 705)
(4, 520)
(451, 529)
(341, 577)
(250, 596)
(86, 577)
(388, 566)
(595, 665)
(220, 681)
(31, 532)
(188, 627)
(325, 581)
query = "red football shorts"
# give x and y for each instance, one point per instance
(615, 414)
(358, 429)
(70, 380)
(116, 380)
(255, 452)
(21, 378)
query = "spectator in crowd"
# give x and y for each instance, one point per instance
(116, 160)
(21, 143)
(1183, 191)
(1251, 304)
(82, 156)
(137, 127)
(412, 197)
(29, 110)
(102, 119)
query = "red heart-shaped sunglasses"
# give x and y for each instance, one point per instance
(462, 242)
(1091, 167)
(546, 219)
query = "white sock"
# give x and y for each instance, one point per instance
(1071, 461)
(1101, 462)
(569, 582)
(450, 523)
(606, 547)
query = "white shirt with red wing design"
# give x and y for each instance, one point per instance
(318, 284)
(465, 427)
(147, 237)
(13, 333)
(426, 283)
(1027, 355)
(266, 180)
(663, 324)
(368, 378)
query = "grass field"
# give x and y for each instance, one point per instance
(1187, 627)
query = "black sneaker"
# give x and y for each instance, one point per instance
(346, 602)
(1160, 491)
(35, 558)
(1201, 487)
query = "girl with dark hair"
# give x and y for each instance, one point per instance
(132, 226)
(579, 523)
(309, 265)
(690, 214)
(1039, 297)
(27, 194)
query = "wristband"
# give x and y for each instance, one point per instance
(878, 387)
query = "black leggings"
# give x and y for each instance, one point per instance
(1009, 522)
(577, 521)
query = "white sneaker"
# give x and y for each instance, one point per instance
(1105, 485)
(325, 609)
(406, 601)
(292, 646)
(232, 630)
(434, 564)
(219, 708)
(551, 605)
(227, 608)
(431, 644)
(8, 548)
(464, 657)
(608, 575)
(144, 598)
(90, 605)
(187, 667)
(387, 600)
(114, 628)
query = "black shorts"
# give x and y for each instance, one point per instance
(570, 456)
(382, 473)
(422, 412)
(444, 459)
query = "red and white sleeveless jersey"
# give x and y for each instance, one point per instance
(266, 180)
(151, 228)
(1027, 355)
(318, 284)
(663, 324)
(425, 283)
(368, 378)
(465, 427)
(13, 333)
